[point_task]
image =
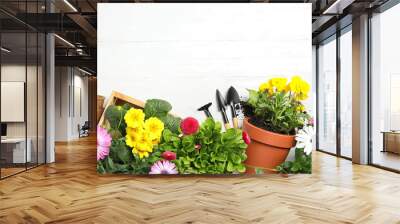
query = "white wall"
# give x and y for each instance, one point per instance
(33, 127)
(184, 52)
(68, 83)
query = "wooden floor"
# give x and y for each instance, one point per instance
(387, 159)
(70, 191)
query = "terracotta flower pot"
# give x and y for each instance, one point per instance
(267, 149)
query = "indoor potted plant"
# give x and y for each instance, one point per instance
(274, 114)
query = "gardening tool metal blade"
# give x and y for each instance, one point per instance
(221, 107)
(234, 101)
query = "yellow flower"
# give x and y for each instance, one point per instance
(154, 127)
(278, 83)
(264, 86)
(299, 88)
(300, 108)
(132, 136)
(143, 145)
(140, 153)
(134, 118)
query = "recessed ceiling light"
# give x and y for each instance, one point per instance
(5, 50)
(64, 40)
(84, 71)
(70, 5)
(338, 6)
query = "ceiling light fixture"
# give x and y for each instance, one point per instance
(84, 71)
(5, 50)
(70, 5)
(337, 7)
(64, 40)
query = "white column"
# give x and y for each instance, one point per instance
(360, 90)
(50, 94)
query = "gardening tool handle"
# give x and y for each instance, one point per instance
(235, 122)
(227, 126)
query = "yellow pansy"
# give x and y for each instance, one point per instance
(134, 118)
(278, 83)
(300, 108)
(132, 136)
(299, 88)
(264, 86)
(154, 127)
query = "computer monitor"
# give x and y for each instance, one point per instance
(3, 129)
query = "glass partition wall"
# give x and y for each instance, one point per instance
(327, 96)
(385, 90)
(22, 77)
(334, 104)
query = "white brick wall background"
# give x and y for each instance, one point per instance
(184, 52)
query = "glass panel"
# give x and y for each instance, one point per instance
(327, 96)
(41, 99)
(13, 86)
(346, 94)
(386, 89)
(31, 100)
(32, 88)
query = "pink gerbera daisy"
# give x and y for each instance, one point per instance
(103, 143)
(163, 167)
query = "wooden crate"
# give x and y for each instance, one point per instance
(117, 98)
(100, 107)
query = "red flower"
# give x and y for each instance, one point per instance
(246, 137)
(168, 155)
(189, 126)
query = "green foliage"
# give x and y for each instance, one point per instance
(121, 159)
(171, 122)
(115, 117)
(120, 152)
(160, 109)
(277, 112)
(156, 108)
(220, 153)
(301, 164)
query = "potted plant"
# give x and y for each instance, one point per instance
(274, 114)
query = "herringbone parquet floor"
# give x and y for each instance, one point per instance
(70, 191)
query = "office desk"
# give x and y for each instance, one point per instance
(391, 141)
(15, 148)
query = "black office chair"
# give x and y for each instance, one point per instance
(84, 130)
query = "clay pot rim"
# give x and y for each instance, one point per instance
(275, 139)
(263, 130)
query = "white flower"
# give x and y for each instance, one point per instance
(304, 139)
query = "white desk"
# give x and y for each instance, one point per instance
(19, 149)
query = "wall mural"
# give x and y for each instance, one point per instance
(173, 113)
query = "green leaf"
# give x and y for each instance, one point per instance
(253, 97)
(156, 108)
(172, 123)
(115, 116)
(241, 168)
(167, 135)
(115, 134)
(109, 164)
(259, 170)
(125, 155)
(100, 167)
(229, 167)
